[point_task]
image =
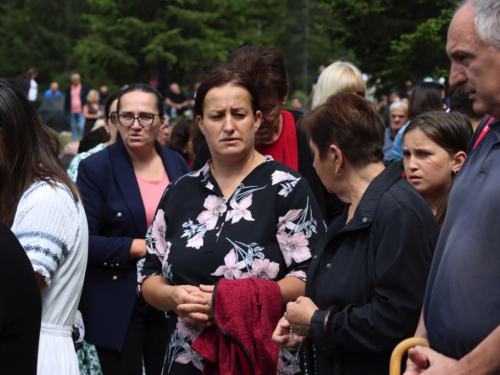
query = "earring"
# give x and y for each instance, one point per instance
(453, 173)
(338, 173)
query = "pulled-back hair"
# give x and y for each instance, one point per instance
(341, 76)
(460, 102)
(426, 96)
(350, 122)
(264, 65)
(114, 96)
(221, 77)
(180, 136)
(142, 87)
(450, 131)
(28, 151)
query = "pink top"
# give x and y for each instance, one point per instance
(151, 192)
(76, 100)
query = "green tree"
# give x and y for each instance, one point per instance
(37, 33)
(393, 39)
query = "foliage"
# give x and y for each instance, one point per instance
(117, 42)
(393, 39)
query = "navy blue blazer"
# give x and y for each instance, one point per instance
(116, 216)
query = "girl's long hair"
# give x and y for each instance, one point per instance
(28, 151)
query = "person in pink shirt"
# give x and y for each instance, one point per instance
(76, 98)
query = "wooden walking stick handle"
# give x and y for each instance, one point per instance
(401, 349)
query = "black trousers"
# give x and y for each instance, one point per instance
(146, 337)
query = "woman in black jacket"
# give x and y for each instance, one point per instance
(367, 279)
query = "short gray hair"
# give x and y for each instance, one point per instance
(75, 75)
(397, 104)
(487, 20)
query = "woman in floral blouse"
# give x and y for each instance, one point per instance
(242, 215)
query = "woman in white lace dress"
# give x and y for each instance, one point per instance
(45, 212)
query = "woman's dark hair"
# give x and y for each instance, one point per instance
(221, 77)
(28, 151)
(142, 87)
(180, 136)
(460, 102)
(451, 131)
(92, 139)
(426, 96)
(265, 66)
(350, 122)
(114, 96)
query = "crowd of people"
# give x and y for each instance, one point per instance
(251, 239)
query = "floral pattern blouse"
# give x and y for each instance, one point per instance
(267, 229)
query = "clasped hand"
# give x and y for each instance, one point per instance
(298, 316)
(194, 304)
(426, 361)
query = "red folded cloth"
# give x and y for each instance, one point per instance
(246, 312)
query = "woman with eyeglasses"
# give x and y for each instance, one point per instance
(121, 187)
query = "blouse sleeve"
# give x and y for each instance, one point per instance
(402, 262)
(157, 247)
(46, 222)
(300, 223)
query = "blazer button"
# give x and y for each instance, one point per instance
(105, 264)
(117, 264)
(115, 278)
(111, 265)
(119, 215)
(328, 265)
(314, 257)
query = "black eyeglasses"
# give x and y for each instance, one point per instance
(144, 119)
(113, 117)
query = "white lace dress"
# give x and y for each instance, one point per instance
(52, 228)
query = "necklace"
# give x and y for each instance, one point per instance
(304, 357)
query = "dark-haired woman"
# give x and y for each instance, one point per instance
(181, 142)
(110, 125)
(246, 217)
(366, 282)
(426, 96)
(434, 149)
(44, 210)
(121, 187)
(278, 135)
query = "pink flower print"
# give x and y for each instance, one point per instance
(215, 206)
(239, 210)
(264, 269)
(287, 370)
(158, 230)
(203, 170)
(286, 221)
(280, 176)
(232, 269)
(196, 241)
(165, 256)
(299, 274)
(186, 330)
(294, 247)
(190, 356)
